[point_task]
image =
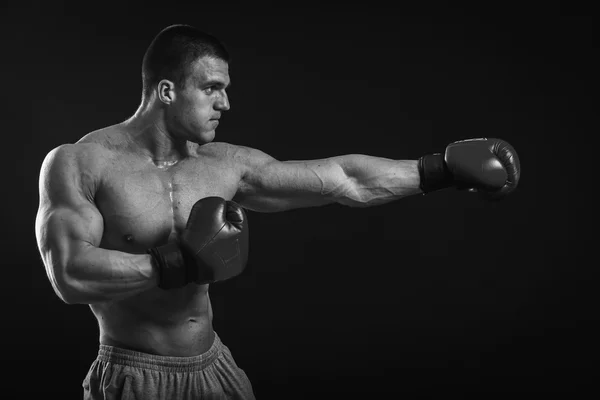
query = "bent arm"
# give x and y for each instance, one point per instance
(69, 229)
(354, 180)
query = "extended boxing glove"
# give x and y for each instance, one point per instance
(213, 246)
(488, 166)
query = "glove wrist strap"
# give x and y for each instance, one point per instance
(171, 266)
(434, 173)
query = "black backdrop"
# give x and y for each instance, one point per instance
(443, 294)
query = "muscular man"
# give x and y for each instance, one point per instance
(137, 219)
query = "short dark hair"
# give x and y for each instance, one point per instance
(173, 50)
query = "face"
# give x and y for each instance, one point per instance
(196, 108)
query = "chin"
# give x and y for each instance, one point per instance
(204, 137)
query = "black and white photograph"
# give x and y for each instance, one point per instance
(211, 200)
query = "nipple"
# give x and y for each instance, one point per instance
(128, 238)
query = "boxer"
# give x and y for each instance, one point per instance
(137, 219)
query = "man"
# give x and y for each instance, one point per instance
(137, 219)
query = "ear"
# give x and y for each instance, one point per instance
(166, 91)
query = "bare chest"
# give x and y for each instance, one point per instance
(145, 206)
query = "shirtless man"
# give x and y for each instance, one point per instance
(116, 231)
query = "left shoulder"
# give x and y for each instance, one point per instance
(235, 155)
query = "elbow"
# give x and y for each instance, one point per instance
(64, 274)
(70, 295)
(75, 289)
(351, 196)
(357, 201)
(66, 291)
(348, 193)
(353, 202)
(64, 294)
(65, 285)
(68, 299)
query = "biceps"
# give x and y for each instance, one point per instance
(293, 184)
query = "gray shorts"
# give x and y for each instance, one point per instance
(124, 374)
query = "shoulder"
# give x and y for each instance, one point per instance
(96, 149)
(69, 156)
(72, 156)
(237, 155)
(76, 164)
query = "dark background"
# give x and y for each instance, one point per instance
(425, 297)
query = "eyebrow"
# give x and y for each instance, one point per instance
(216, 83)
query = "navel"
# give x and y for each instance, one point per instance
(128, 238)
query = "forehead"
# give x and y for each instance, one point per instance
(209, 69)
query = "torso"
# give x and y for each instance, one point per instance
(145, 205)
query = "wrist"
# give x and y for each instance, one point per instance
(434, 173)
(169, 266)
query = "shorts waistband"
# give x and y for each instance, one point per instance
(130, 358)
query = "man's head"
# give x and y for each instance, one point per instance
(186, 71)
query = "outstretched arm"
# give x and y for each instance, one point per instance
(356, 180)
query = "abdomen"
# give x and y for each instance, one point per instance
(174, 322)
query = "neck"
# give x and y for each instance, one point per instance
(148, 132)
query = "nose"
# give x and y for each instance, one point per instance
(222, 102)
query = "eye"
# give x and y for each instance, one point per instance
(209, 89)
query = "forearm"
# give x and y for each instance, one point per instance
(98, 275)
(375, 180)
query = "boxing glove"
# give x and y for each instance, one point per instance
(213, 246)
(488, 166)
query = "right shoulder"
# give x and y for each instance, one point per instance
(74, 156)
(72, 166)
